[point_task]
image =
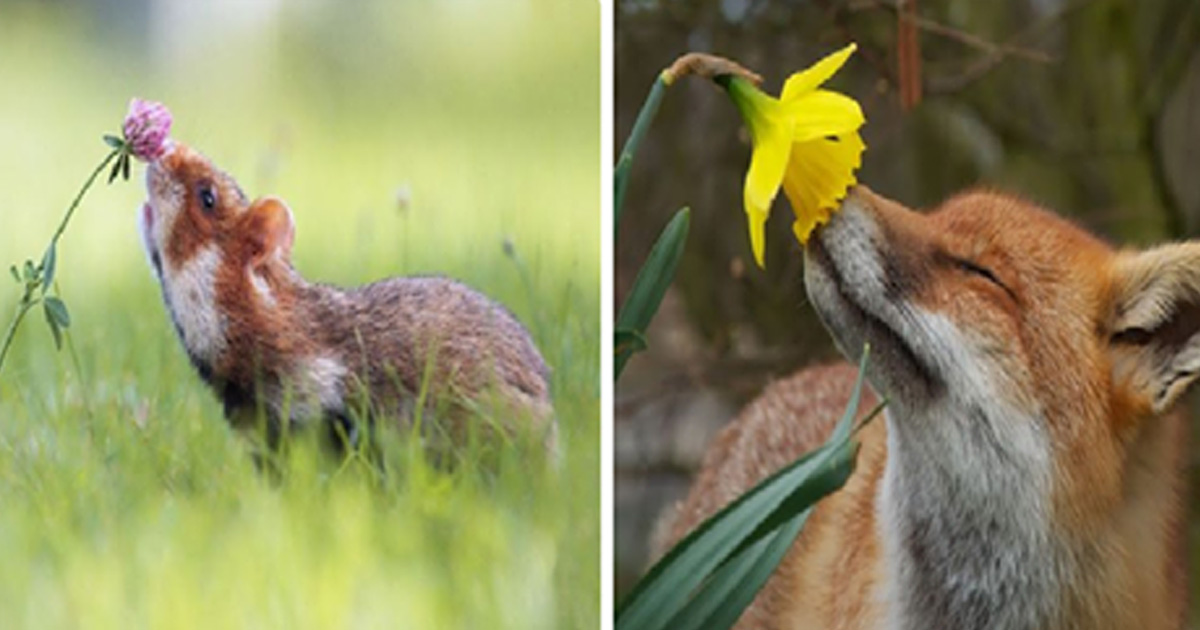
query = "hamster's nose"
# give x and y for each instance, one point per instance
(157, 170)
(169, 147)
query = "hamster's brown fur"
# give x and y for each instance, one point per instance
(258, 332)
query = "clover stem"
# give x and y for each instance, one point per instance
(79, 196)
(22, 308)
(27, 303)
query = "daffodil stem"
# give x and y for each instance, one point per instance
(640, 127)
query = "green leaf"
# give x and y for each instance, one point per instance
(114, 141)
(30, 272)
(640, 127)
(707, 579)
(652, 281)
(58, 310)
(125, 166)
(669, 586)
(721, 601)
(840, 436)
(629, 341)
(54, 329)
(620, 182)
(116, 169)
(49, 262)
(15, 274)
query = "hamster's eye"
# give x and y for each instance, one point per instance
(208, 198)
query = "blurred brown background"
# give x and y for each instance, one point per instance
(1090, 107)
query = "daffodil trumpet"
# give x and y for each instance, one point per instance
(806, 141)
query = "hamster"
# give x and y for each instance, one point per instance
(307, 353)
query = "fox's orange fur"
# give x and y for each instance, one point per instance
(1028, 472)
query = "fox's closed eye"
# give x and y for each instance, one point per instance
(975, 268)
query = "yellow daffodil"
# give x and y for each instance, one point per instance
(806, 140)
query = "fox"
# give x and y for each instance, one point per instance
(1027, 470)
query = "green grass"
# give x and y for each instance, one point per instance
(126, 500)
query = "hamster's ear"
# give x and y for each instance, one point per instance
(270, 230)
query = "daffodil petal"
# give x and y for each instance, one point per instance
(768, 163)
(822, 113)
(810, 79)
(818, 175)
(757, 223)
(803, 227)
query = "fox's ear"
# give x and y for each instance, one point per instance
(270, 230)
(1155, 322)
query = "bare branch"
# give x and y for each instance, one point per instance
(960, 36)
(982, 66)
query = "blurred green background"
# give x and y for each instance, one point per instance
(407, 137)
(1090, 107)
